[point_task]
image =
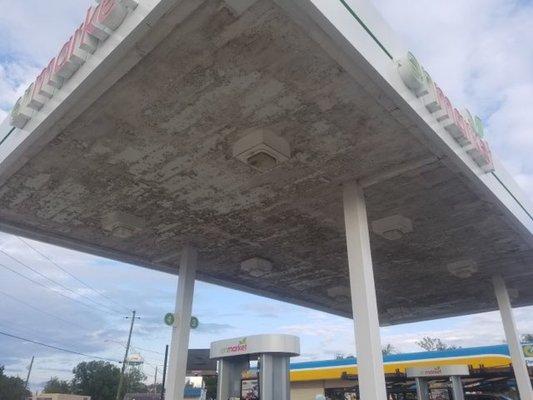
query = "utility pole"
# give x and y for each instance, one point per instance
(164, 374)
(29, 372)
(155, 380)
(121, 381)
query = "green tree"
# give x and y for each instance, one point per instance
(133, 381)
(98, 379)
(56, 385)
(154, 389)
(12, 388)
(211, 387)
(388, 349)
(526, 338)
(434, 344)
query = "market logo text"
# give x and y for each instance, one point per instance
(467, 130)
(237, 348)
(100, 22)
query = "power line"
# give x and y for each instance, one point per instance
(51, 289)
(41, 311)
(57, 283)
(71, 274)
(136, 347)
(57, 348)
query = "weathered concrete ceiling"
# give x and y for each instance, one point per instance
(157, 147)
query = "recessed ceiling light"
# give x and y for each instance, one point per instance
(262, 150)
(341, 294)
(122, 225)
(393, 227)
(256, 266)
(463, 269)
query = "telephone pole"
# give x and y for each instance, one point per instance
(29, 372)
(155, 380)
(164, 374)
(121, 381)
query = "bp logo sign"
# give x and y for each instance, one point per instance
(170, 319)
(194, 322)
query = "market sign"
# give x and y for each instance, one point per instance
(466, 129)
(256, 344)
(100, 23)
(437, 371)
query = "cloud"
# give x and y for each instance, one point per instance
(477, 50)
(266, 309)
(467, 331)
(210, 328)
(31, 32)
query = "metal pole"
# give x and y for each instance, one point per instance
(422, 389)
(513, 341)
(124, 362)
(179, 345)
(164, 373)
(363, 294)
(457, 388)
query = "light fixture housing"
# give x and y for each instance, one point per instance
(122, 225)
(393, 227)
(462, 269)
(256, 267)
(262, 150)
(339, 293)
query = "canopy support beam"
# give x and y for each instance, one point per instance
(179, 346)
(363, 294)
(513, 339)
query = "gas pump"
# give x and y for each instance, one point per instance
(424, 375)
(270, 380)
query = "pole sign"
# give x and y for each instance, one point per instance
(100, 23)
(169, 319)
(466, 129)
(194, 322)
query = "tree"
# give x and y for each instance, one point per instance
(388, 349)
(154, 389)
(56, 385)
(12, 388)
(211, 387)
(98, 379)
(526, 338)
(434, 344)
(340, 356)
(133, 381)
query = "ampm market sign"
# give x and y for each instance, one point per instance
(466, 129)
(100, 23)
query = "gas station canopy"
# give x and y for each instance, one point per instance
(134, 157)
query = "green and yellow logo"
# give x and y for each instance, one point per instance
(528, 350)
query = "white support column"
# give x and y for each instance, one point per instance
(513, 340)
(363, 293)
(179, 345)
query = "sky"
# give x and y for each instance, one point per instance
(479, 51)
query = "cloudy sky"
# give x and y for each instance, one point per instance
(478, 50)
